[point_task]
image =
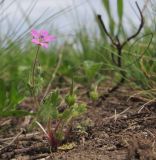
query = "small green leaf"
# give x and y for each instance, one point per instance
(49, 108)
(70, 99)
(91, 69)
(78, 109)
(94, 95)
(15, 113)
(66, 114)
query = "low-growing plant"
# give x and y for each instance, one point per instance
(93, 77)
(10, 98)
(58, 119)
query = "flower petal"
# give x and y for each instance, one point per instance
(49, 38)
(45, 45)
(43, 33)
(41, 37)
(34, 33)
(35, 41)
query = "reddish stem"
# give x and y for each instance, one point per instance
(52, 140)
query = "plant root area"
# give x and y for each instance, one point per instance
(111, 129)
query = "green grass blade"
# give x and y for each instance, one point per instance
(120, 10)
(106, 4)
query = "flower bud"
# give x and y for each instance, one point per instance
(70, 99)
(94, 95)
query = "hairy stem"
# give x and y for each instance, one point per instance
(33, 78)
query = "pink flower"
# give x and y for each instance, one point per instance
(42, 38)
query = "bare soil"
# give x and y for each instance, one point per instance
(112, 129)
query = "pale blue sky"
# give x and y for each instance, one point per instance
(79, 13)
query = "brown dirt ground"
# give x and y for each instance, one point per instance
(114, 130)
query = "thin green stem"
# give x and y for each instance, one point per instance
(33, 78)
(34, 66)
